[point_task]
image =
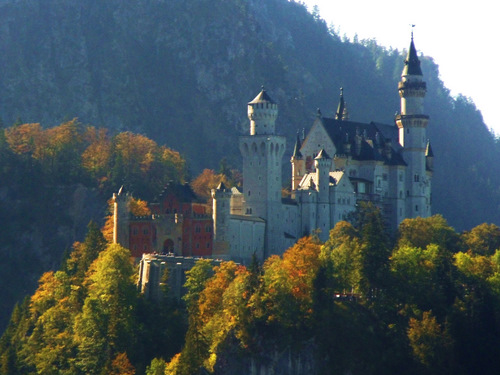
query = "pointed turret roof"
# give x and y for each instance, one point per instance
(322, 155)
(428, 151)
(339, 115)
(412, 63)
(262, 97)
(221, 186)
(296, 150)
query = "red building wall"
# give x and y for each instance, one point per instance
(197, 228)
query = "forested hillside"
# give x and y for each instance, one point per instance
(426, 303)
(182, 71)
(54, 181)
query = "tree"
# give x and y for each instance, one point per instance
(375, 246)
(430, 343)
(85, 253)
(287, 295)
(121, 365)
(421, 232)
(415, 277)
(96, 157)
(483, 239)
(206, 181)
(105, 326)
(341, 255)
(157, 367)
(196, 346)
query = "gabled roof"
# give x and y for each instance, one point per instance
(336, 176)
(365, 140)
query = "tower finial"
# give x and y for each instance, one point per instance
(412, 27)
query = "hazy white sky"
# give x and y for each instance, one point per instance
(461, 36)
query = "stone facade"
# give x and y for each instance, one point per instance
(338, 164)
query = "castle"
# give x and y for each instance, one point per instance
(338, 164)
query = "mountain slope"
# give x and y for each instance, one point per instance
(181, 72)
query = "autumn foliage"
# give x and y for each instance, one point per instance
(314, 306)
(75, 153)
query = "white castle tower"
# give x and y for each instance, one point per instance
(412, 124)
(262, 153)
(121, 216)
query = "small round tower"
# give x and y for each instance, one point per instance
(323, 163)
(262, 113)
(121, 218)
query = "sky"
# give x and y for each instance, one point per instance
(459, 35)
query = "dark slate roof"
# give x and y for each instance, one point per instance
(182, 192)
(371, 137)
(262, 97)
(412, 63)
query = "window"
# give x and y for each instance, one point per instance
(416, 178)
(197, 229)
(145, 231)
(208, 229)
(416, 208)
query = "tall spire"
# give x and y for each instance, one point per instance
(412, 63)
(341, 109)
(296, 150)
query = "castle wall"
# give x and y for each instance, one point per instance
(246, 237)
